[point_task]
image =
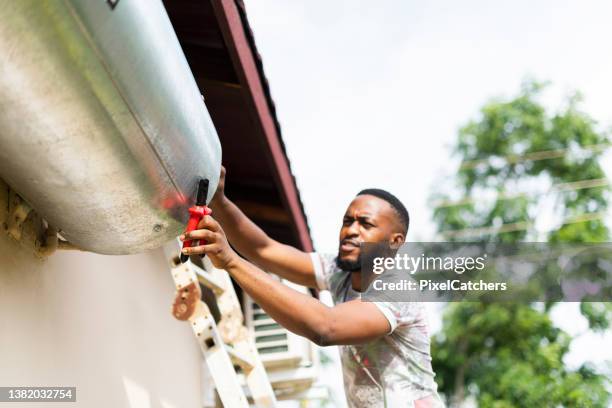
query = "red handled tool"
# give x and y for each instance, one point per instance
(196, 213)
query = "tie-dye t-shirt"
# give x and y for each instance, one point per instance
(394, 370)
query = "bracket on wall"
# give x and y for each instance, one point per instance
(24, 225)
(18, 211)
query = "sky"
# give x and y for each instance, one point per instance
(371, 94)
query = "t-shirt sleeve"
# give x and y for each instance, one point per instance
(402, 313)
(386, 310)
(323, 268)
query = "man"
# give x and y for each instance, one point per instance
(385, 346)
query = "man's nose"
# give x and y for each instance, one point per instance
(353, 228)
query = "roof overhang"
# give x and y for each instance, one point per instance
(220, 49)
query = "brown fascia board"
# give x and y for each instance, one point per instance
(241, 47)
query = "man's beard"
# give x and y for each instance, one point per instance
(347, 265)
(381, 250)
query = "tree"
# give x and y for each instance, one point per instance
(511, 355)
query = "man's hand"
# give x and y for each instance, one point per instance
(212, 243)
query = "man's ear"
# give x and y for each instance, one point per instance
(397, 239)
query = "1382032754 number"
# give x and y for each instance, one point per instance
(39, 394)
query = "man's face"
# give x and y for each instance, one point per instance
(367, 219)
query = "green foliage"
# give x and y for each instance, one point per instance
(511, 354)
(598, 314)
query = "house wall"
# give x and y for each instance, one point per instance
(100, 323)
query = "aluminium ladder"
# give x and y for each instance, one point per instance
(223, 344)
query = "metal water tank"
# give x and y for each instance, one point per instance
(102, 126)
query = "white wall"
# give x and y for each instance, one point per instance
(100, 323)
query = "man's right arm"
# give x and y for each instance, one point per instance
(255, 245)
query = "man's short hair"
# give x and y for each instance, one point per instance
(396, 204)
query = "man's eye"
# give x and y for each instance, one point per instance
(368, 225)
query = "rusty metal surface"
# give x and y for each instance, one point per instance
(102, 127)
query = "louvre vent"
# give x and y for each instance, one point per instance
(291, 361)
(270, 337)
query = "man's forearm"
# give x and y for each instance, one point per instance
(251, 242)
(295, 311)
(243, 234)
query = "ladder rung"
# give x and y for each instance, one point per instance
(239, 358)
(208, 279)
